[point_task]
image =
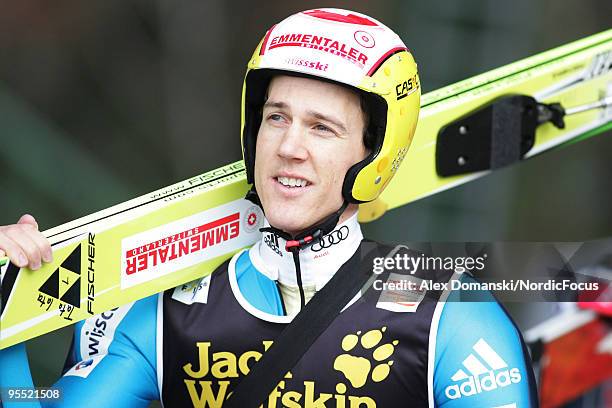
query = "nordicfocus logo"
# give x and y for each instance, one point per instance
(482, 379)
(320, 43)
(181, 244)
(333, 238)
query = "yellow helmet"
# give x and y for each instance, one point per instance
(353, 50)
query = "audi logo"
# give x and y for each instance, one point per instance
(333, 238)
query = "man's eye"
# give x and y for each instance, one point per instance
(323, 128)
(275, 117)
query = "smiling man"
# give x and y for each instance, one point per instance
(330, 105)
(311, 134)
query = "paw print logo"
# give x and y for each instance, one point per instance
(358, 369)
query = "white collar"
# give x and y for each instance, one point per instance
(318, 262)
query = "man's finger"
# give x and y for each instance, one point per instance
(13, 251)
(41, 242)
(27, 246)
(28, 219)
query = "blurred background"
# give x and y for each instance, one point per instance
(103, 101)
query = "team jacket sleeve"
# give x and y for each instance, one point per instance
(113, 359)
(15, 372)
(480, 357)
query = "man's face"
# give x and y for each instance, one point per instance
(311, 133)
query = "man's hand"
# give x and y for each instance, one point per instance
(24, 244)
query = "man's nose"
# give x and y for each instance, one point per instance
(293, 144)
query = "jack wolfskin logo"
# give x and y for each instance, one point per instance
(357, 369)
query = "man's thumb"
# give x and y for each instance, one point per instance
(28, 219)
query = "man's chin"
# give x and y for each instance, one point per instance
(292, 228)
(293, 225)
(288, 219)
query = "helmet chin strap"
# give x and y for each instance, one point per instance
(310, 234)
(303, 239)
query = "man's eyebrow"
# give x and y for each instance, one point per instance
(274, 104)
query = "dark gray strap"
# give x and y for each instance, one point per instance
(307, 326)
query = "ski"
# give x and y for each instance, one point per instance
(180, 233)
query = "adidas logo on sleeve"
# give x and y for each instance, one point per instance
(488, 372)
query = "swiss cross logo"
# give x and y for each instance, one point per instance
(252, 218)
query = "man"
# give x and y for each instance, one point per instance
(330, 104)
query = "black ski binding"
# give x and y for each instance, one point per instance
(496, 135)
